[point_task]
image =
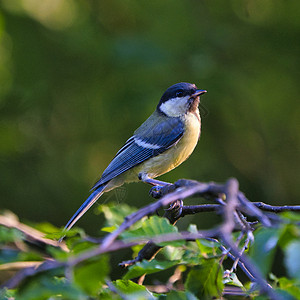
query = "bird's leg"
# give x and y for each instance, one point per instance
(144, 177)
(157, 184)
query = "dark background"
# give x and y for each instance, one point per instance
(78, 77)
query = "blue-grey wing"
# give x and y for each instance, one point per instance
(153, 137)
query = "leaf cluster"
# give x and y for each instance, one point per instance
(196, 269)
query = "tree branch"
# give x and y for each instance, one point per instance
(229, 202)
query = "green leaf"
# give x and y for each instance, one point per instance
(58, 254)
(48, 286)
(173, 253)
(82, 246)
(135, 290)
(10, 235)
(263, 249)
(180, 295)
(46, 227)
(7, 294)
(90, 276)
(261, 297)
(193, 228)
(153, 227)
(290, 216)
(206, 280)
(115, 213)
(290, 286)
(136, 249)
(148, 267)
(70, 236)
(207, 248)
(107, 294)
(289, 232)
(292, 259)
(232, 279)
(192, 255)
(109, 229)
(30, 256)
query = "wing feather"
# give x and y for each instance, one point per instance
(157, 134)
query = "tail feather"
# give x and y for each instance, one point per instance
(84, 207)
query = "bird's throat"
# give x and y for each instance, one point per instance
(194, 104)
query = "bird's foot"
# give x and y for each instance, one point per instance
(176, 208)
(159, 191)
(155, 191)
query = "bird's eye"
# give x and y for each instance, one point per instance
(179, 93)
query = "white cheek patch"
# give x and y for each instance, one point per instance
(175, 107)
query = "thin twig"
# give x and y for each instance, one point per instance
(276, 209)
(9, 220)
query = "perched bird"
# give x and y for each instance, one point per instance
(165, 140)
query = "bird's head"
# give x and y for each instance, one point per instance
(180, 99)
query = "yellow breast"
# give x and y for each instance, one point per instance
(174, 156)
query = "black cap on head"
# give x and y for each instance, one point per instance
(181, 89)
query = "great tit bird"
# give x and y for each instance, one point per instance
(165, 140)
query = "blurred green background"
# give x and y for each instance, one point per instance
(78, 77)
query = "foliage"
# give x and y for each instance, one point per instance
(196, 267)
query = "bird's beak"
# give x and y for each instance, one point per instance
(198, 93)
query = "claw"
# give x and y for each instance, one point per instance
(176, 208)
